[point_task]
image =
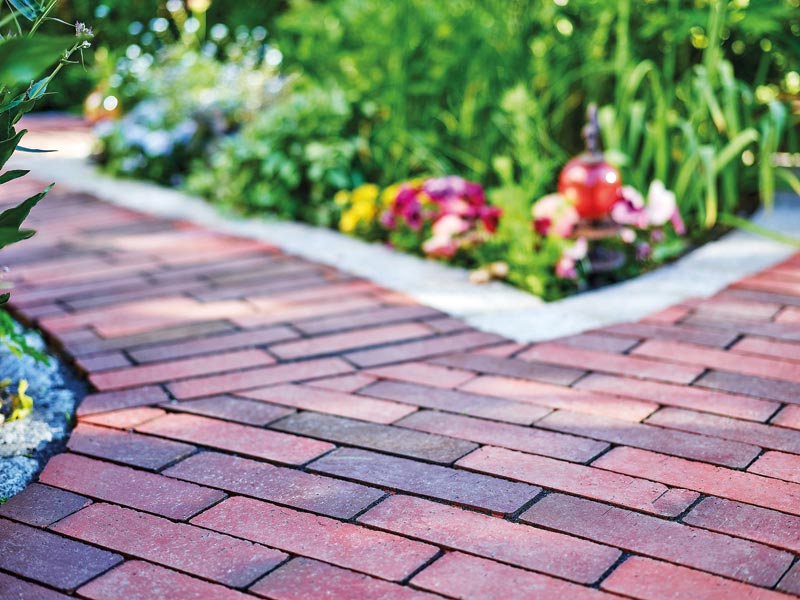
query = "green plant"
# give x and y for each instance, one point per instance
(24, 56)
(706, 135)
(288, 162)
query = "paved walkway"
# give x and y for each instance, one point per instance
(264, 425)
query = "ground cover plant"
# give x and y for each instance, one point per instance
(694, 97)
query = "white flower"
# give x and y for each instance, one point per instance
(661, 205)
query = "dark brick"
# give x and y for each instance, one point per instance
(51, 559)
(760, 387)
(261, 480)
(459, 487)
(41, 505)
(232, 409)
(12, 588)
(386, 438)
(456, 401)
(107, 401)
(512, 367)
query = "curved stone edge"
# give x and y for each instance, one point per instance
(495, 307)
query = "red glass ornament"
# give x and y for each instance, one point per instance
(588, 181)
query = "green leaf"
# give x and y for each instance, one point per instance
(14, 217)
(24, 59)
(12, 175)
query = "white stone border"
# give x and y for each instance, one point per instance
(496, 307)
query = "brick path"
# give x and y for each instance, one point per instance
(264, 425)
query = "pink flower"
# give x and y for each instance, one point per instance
(565, 268)
(449, 226)
(440, 246)
(578, 250)
(554, 215)
(630, 209)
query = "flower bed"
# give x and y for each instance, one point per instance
(294, 125)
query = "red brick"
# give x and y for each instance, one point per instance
(248, 380)
(379, 316)
(512, 543)
(649, 579)
(187, 548)
(682, 333)
(12, 588)
(747, 521)
(779, 465)
(637, 435)
(720, 359)
(229, 408)
(129, 448)
(137, 580)
(215, 344)
(458, 575)
(125, 418)
(335, 403)
(791, 581)
(40, 505)
(422, 349)
(739, 309)
(741, 407)
(103, 362)
(340, 342)
(789, 416)
(180, 369)
(668, 316)
(511, 367)
(290, 487)
(424, 374)
(50, 559)
(515, 437)
(668, 540)
(343, 544)
(123, 485)
(384, 438)
(108, 401)
(553, 396)
(606, 362)
(776, 286)
(766, 436)
(303, 578)
(789, 314)
(414, 477)
(345, 383)
(292, 312)
(760, 387)
(457, 401)
(708, 479)
(765, 347)
(347, 289)
(249, 441)
(638, 494)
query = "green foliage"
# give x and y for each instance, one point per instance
(289, 161)
(24, 57)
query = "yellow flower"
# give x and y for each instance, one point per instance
(365, 194)
(390, 194)
(21, 402)
(348, 222)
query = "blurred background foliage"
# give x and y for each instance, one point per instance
(697, 93)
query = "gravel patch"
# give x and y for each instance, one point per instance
(26, 444)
